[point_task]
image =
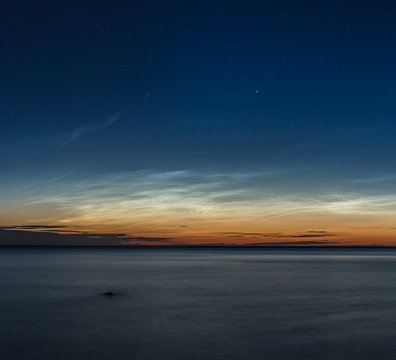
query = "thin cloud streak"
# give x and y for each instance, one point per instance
(295, 243)
(49, 236)
(88, 128)
(280, 235)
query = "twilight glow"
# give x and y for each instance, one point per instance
(271, 124)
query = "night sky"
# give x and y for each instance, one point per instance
(198, 122)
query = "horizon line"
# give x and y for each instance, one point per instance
(209, 246)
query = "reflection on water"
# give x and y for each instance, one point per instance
(197, 304)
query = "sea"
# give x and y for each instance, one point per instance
(197, 303)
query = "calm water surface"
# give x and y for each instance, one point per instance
(197, 304)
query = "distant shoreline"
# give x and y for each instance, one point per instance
(305, 247)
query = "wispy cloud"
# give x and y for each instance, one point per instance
(87, 128)
(56, 229)
(295, 243)
(32, 227)
(147, 239)
(49, 235)
(280, 235)
(48, 238)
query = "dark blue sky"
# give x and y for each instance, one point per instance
(98, 89)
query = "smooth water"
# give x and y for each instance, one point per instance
(197, 304)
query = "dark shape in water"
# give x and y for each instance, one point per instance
(108, 293)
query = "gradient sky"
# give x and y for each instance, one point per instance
(198, 122)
